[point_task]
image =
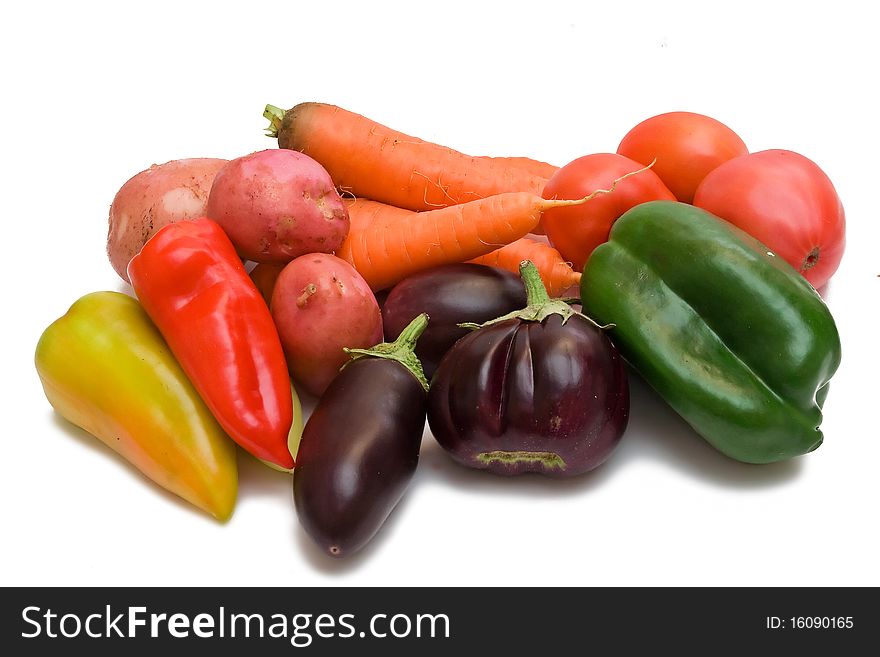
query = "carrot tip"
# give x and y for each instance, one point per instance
(554, 202)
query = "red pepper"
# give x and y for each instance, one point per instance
(194, 287)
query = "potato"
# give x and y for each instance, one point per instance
(164, 193)
(278, 204)
(320, 304)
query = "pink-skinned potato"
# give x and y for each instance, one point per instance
(320, 305)
(278, 204)
(161, 195)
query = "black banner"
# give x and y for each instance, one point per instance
(435, 621)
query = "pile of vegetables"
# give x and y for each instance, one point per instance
(496, 299)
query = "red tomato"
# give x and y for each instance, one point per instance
(787, 202)
(687, 146)
(575, 231)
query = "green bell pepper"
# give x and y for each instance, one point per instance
(729, 334)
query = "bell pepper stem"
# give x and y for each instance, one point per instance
(402, 349)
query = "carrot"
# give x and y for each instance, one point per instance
(392, 245)
(368, 159)
(557, 274)
(363, 212)
(386, 244)
(535, 167)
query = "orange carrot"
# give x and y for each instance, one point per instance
(390, 248)
(264, 276)
(557, 274)
(363, 212)
(535, 167)
(368, 159)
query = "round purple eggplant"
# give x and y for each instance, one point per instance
(540, 390)
(450, 294)
(360, 446)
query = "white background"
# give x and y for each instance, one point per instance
(94, 93)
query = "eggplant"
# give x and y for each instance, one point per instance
(360, 446)
(450, 294)
(539, 390)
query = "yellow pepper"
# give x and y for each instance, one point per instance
(105, 368)
(295, 433)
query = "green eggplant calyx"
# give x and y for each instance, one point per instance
(402, 349)
(275, 115)
(550, 460)
(539, 305)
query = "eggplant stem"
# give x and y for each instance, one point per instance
(402, 349)
(539, 305)
(536, 292)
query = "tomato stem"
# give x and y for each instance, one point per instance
(811, 260)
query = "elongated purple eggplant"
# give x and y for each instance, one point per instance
(360, 446)
(450, 294)
(539, 390)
